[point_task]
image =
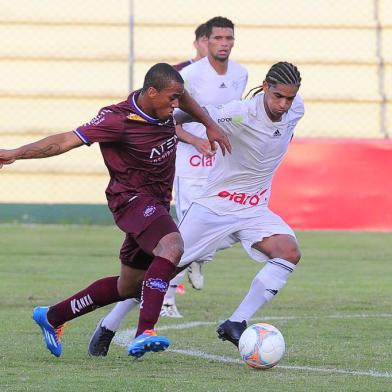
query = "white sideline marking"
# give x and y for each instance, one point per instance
(122, 338)
(219, 358)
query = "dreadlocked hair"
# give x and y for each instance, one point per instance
(280, 73)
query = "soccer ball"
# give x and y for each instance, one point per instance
(261, 346)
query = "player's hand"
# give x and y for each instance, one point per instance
(215, 134)
(203, 146)
(6, 158)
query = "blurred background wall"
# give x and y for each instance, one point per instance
(61, 61)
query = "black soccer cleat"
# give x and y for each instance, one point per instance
(231, 331)
(100, 341)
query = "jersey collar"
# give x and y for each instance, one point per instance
(143, 115)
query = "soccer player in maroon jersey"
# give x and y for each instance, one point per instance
(138, 143)
(201, 45)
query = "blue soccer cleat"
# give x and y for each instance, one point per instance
(52, 335)
(147, 341)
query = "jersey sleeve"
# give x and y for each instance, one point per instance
(229, 116)
(105, 127)
(187, 76)
(298, 107)
(243, 82)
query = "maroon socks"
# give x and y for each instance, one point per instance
(100, 293)
(155, 285)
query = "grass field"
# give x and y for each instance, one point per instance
(335, 314)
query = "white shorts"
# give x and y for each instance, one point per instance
(204, 232)
(185, 191)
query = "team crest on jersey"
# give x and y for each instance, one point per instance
(157, 284)
(148, 211)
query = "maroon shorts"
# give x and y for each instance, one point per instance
(145, 220)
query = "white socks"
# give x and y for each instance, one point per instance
(113, 320)
(266, 284)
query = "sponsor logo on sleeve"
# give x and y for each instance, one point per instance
(99, 117)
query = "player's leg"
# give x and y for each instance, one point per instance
(155, 248)
(281, 253)
(186, 190)
(100, 293)
(169, 307)
(108, 326)
(131, 256)
(164, 241)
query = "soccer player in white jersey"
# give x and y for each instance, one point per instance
(235, 201)
(212, 80)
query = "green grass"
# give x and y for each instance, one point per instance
(335, 314)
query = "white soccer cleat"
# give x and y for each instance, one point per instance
(170, 310)
(196, 278)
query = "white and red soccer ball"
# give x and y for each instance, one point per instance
(261, 346)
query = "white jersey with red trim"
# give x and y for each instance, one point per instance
(207, 88)
(240, 183)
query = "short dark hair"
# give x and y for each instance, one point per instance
(201, 31)
(218, 21)
(160, 76)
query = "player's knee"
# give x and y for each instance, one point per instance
(177, 252)
(171, 247)
(293, 255)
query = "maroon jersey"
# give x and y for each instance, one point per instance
(139, 151)
(178, 67)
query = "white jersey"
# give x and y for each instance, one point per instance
(207, 88)
(240, 183)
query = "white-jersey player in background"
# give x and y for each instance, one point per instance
(235, 202)
(213, 80)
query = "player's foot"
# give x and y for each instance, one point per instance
(231, 331)
(52, 336)
(100, 341)
(195, 277)
(146, 342)
(170, 310)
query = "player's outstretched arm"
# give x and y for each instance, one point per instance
(44, 148)
(214, 133)
(202, 145)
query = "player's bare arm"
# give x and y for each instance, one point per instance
(202, 145)
(44, 148)
(214, 133)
